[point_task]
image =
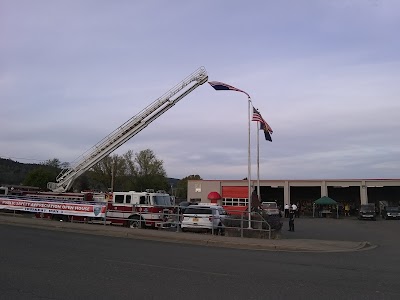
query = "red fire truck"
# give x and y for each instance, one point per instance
(134, 209)
(140, 209)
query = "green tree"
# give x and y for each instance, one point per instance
(139, 171)
(150, 172)
(44, 173)
(54, 163)
(57, 164)
(109, 172)
(82, 183)
(40, 176)
(182, 185)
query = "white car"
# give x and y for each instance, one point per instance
(204, 217)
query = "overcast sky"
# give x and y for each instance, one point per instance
(324, 74)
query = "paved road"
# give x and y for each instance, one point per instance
(38, 264)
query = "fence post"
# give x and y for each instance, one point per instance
(178, 218)
(212, 222)
(241, 224)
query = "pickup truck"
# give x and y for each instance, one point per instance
(271, 208)
(367, 211)
(390, 212)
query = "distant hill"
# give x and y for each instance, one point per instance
(13, 172)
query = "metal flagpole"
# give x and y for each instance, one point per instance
(220, 86)
(249, 165)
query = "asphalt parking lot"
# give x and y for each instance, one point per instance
(345, 229)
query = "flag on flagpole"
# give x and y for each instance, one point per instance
(263, 124)
(220, 86)
(267, 133)
(257, 116)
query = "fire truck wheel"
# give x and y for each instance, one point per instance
(136, 222)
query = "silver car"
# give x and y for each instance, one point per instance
(204, 217)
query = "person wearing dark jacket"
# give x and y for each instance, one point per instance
(255, 202)
(291, 221)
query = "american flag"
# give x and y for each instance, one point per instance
(220, 86)
(257, 116)
(263, 124)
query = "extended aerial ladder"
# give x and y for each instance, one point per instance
(127, 130)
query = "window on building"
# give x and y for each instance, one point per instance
(234, 201)
(197, 188)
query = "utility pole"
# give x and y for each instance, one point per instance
(112, 175)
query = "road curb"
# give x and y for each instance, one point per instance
(283, 245)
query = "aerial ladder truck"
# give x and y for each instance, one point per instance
(127, 130)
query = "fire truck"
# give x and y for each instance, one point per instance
(136, 209)
(141, 209)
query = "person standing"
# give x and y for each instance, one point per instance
(255, 202)
(286, 210)
(347, 209)
(291, 221)
(298, 210)
(294, 209)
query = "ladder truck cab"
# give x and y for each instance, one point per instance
(141, 209)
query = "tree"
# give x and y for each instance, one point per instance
(55, 163)
(139, 171)
(182, 185)
(82, 183)
(44, 173)
(109, 172)
(40, 177)
(149, 171)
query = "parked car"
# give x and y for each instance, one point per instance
(367, 211)
(204, 217)
(391, 212)
(271, 208)
(183, 205)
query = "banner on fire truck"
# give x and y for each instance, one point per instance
(97, 210)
